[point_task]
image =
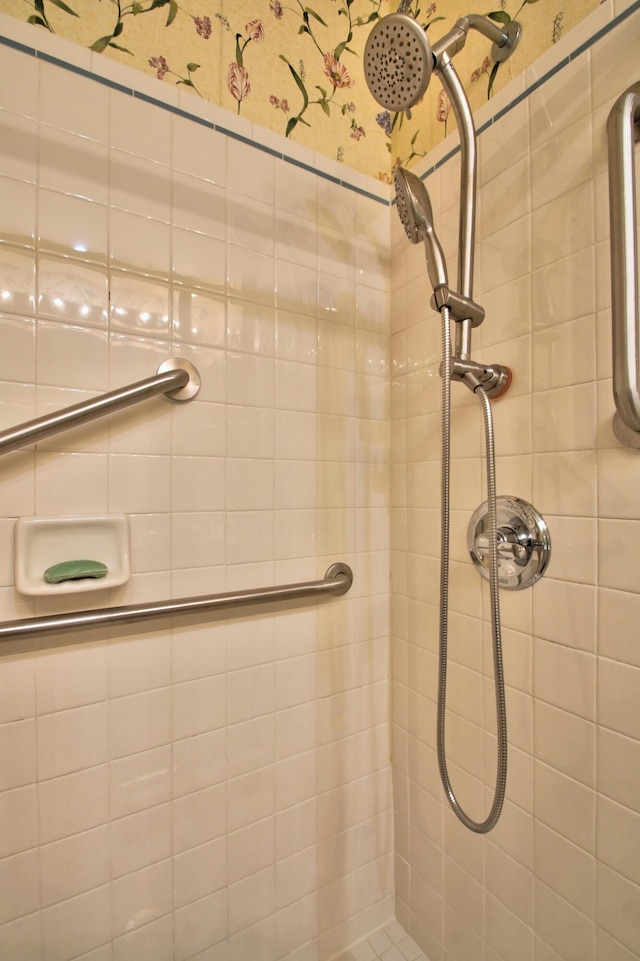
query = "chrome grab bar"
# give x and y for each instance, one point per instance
(177, 378)
(336, 581)
(623, 128)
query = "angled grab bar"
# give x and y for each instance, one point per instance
(623, 128)
(337, 580)
(177, 378)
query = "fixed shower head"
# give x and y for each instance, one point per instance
(397, 62)
(416, 215)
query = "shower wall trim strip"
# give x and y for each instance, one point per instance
(336, 581)
(281, 155)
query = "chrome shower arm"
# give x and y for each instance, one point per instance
(505, 38)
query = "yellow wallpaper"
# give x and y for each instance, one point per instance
(296, 68)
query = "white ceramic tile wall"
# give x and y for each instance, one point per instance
(196, 790)
(558, 877)
(222, 791)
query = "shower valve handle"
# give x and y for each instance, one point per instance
(511, 545)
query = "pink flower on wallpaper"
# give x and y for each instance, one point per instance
(484, 67)
(357, 133)
(337, 72)
(276, 9)
(203, 26)
(279, 104)
(255, 30)
(443, 108)
(160, 65)
(238, 82)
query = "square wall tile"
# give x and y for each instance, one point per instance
(140, 128)
(79, 924)
(73, 103)
(19, 146)
(199, 151)
(74, 165)
(18, 216)
(73, 293)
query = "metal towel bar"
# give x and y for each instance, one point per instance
(623, 128)
(337, 580)
(177, 378)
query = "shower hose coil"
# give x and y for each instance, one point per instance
(479, 827)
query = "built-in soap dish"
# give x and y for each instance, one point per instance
(43, 543)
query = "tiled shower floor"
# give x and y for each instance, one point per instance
(391, 943)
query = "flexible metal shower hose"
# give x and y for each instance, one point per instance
(480, 827)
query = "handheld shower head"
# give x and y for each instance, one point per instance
(397, 62)
(416, 215)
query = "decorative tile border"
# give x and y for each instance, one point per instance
(379, 192)
(349, 183)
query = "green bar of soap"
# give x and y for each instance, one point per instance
(73, 570)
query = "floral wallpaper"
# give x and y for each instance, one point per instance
(296, 68)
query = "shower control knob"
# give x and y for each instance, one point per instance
(523, 542)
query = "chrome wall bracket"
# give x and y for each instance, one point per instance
(524, 542)
(495, 379)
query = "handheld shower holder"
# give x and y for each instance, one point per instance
(461, 308)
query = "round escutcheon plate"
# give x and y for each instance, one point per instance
(524, 542)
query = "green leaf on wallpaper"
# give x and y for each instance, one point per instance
(101, 44)
(415, 137)
(291, 125)
(35, 19)
(119, 28)
(316, 16)
(530, 1)
(492, 79)
(186, 83)
(117, 46)
(325, 107)
(239, 60)
(500, 16)
(39, 6)
(340, 49)
(158, 3)
(136, 8)
(192, 67)
(63, 6)
(173, 12)
(362, 21)
(300, 84)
